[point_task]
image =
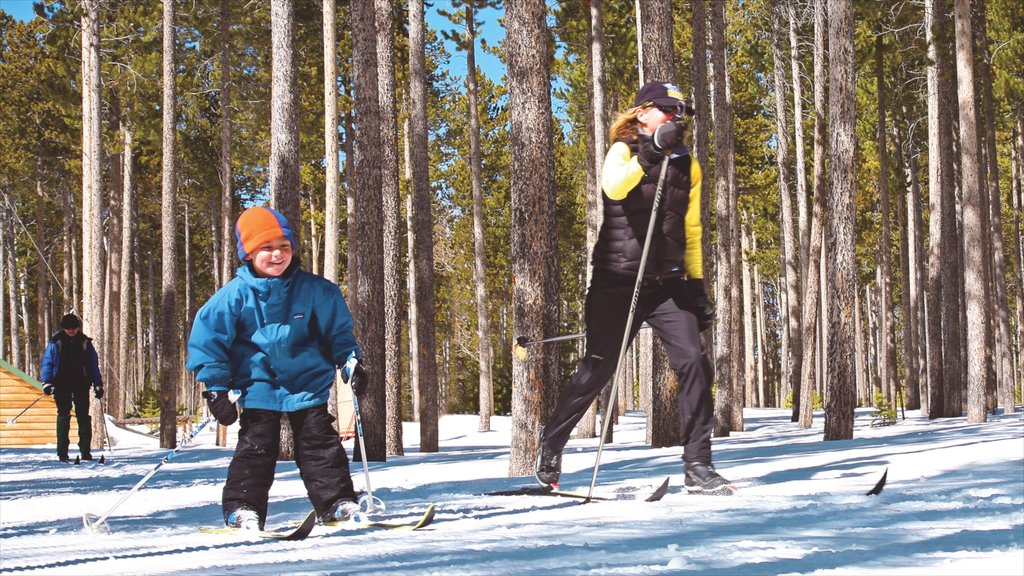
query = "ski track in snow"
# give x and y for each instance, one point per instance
(953, 504)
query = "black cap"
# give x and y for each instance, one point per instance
(663, 94)
(70, 321)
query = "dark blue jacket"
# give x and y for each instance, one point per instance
(50, 366)
(277, 340)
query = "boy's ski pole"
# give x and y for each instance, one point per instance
(95, 523)
(368, 502)
(629, 324)
(12, 421)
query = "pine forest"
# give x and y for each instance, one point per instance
(863, 195)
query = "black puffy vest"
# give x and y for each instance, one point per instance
(620, 243)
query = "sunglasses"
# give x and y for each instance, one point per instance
(676, 110)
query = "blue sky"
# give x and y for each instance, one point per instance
(20, 9)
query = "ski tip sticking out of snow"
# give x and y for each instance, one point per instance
(879, 485)
(659, 492)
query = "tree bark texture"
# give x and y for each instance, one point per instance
(170, 329)
(367, 187)
(534, 246)
(425, 382)
(285, 193)
(973, 225)
(388, 154)
(841, 396)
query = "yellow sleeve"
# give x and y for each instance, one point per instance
(693, 260)
(621, 171)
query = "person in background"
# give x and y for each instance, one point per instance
(276, 333)
(69, 367)
(672, 300)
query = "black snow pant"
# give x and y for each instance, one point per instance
(67, 396)
(665, 306)
(322, 461)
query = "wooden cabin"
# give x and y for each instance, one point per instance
(36, 426)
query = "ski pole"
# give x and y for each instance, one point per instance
(519, 348)
(12, 421)
(106, 434)
(629, 324)
(371, 502)
(96, 523)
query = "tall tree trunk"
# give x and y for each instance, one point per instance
(424, 381)
(388, 156)
(790, 242)
(228, 255)
(331, 170)
(748, 325)
(908, 280)
(1001, 315)
(973, 225)
(483, 322)
(170, 352)
(92, 191)
(367, 187)
(887, 346)
(534, 246)
(658, 65)
(802, 215)
(284, 178)
(940, 374)
(127, 245)
(112, 291)
(332, 219)
(1017, 250)
(284, 119)
(725, 353)
(812, 295)
(841, 395)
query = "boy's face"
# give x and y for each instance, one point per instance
(272, 258)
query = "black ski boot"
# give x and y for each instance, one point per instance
(549, 464)
(701, 478)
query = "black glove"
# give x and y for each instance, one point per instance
(48, 388)
(358, 379)
(667, 137)
(700, 305)
(221, 406)
(98, 392)
(648, 156)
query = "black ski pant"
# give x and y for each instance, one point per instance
(322, 461)
(67, 396)
(665, 306)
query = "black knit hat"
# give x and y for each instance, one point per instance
(70, 321)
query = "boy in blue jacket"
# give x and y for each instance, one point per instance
(276, 333)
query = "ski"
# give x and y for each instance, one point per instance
(78, 460)
(300, 532)
(878, 485)
(539, 491)
(425, 520)
(658, 493)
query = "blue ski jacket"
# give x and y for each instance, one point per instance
(50, 366)
(276, 340)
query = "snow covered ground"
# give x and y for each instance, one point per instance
(954, 504)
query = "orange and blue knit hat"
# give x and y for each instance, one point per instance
(258, 225)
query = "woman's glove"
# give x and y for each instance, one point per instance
(221, 406)
(667, 137)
